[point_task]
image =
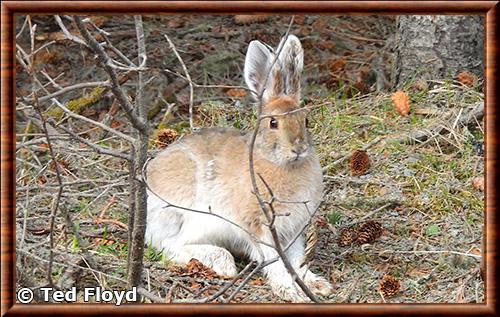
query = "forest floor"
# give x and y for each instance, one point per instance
(424, 192)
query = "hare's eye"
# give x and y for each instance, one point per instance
(307, 123)
(273, 124)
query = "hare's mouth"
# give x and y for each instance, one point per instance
(295, 157)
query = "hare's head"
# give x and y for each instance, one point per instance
(274, 78)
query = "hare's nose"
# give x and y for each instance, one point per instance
(298, 150)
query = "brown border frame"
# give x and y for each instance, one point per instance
(8, 8)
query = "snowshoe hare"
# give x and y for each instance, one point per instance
(209, 170)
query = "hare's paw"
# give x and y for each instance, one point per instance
(218, 259)
(224, 264)
(318, 285)
(290, 293)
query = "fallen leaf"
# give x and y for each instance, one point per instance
(401, 102)
(249, 19)
(478, 183)
(326, 45)
(303, 32)
(476, 251)
(236, 93)
(195, 268)
(175, 23)
(419, 85)
(321, 222)
(103, 241)
(195, 285)
(63, 165)
(336, 64)
(41, 180)
(43, 146)
(98, 20)
(115, 124)
(467, 78)
(257, 282)
(46, 56)
(320, 25)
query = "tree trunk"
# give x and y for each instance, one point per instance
(435, 47)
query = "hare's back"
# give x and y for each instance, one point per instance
(173, 174)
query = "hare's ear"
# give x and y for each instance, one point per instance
(291, 59)
(258, 61)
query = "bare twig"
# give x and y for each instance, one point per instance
(138, 186)
(210, 212)
(96, 123)
(231, 283)
(57, 198)
(195, 85)
(104, 35)
(467, 119)
(67, 33)
(97, 148)
(268, 210)
(368, 215)
(188, 77)
(106, 63)
(382, 252)
(64, 90)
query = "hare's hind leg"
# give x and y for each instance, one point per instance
(317, 284)
(174, 232)
(280, 279)
(182, 234)
(217, 258)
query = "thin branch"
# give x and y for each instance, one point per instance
(231, 283)
(188, 77)
(106, 63)
(195, 85)
(96, 123)
(142, 58)
(57, 199)
(430, 252)
(245, 282)
(66, 89)
(269, 213)
(138, 188)
(97, 148)
(210, 212)
(104, 35)
(67, 33)
(367, 216)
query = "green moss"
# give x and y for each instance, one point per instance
(78, 105)
(155, 108)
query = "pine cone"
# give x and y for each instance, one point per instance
(166, 137)
(369, 232)
(360, 163)
(401, 102)
(347, 237)
(389, 286)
